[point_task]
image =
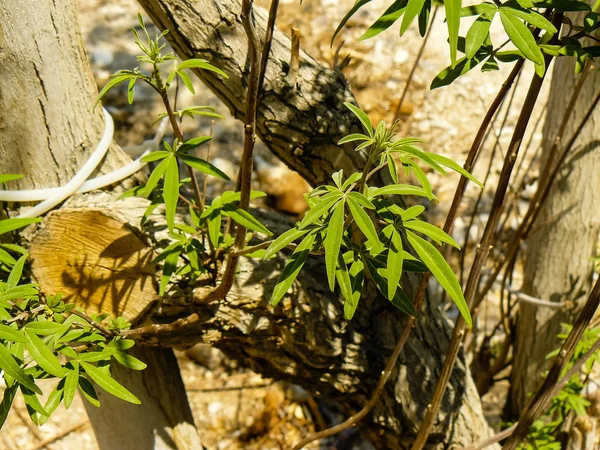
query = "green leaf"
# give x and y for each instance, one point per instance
(530, 16)
(129, 361)
(155, 177)
(109, 384)
(412, 10)
(453, 8)
(9, 177)
(400, 189)
(10, 334)
(169, 268)
(88, 391)
(490, 64)
(292, 268)
(357, 279)
(44, 327)
(363, 221)
(440, 269)
(388, 18)
(114, 80)
(187, 81)
(283, 241)
(33, 404)
(12, 369)
(201, 64)
(214, 227)
(17, 271)
(451, 73)
(351, 180)
(393, 169)
(203, 166)
(131, 90)
(71, 382)
(155, 156)
(431, 231)
(43, 355)
(521, 36)
(477, 34)
(353, 137)
(423, 180)
(412, 212)
(193, 143)
(14, 224)
(246, 219)
(333, 241)
(322, 207)
(447, 162)
(7, 401)
(477, 10)
(400, 300)
(359, 4)
(364, 119)
(394, 262)
(343, 280)
(171, 190)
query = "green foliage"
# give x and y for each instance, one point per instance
(43, 337)
(360, 230)
(527, 25)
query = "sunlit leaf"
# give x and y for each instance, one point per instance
(11, 368)
(109, 384)
(333, 242)
(43, 355)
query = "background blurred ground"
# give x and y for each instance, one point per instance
(235, 408)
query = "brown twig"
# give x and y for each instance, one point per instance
(264, 60)
(538, 405)
(93, 323)
(483, 249)
(458, 195)
(245, 172)
(415, 65)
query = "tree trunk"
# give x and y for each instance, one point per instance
(558, 253)
(48, 129)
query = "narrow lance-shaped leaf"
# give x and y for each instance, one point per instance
(43, 355)
(203, 166)
(477, 34)
(10, 177)
(453, 8)
(10, 334)
(432, 231)
(440, 269)
(283, 241)
(246, 219)
(201, 64)
(359, 4)
(521, 36)
(363, 221)
(14, 224)
(333, 242)
(321, 208)
(292, 268)
(11, 368)
(412, 10)
(394, 262)
(17, 271)
(356, 279)
(444, 161)
(7, 401)
(360, 114)
(108, 383)
(387, 19)
(400, 189)
(71, 382)
(343, 280)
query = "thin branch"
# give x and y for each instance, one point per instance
(415, 65)
(245, 173)
(481, 254)
(267, 46)
(93, 323)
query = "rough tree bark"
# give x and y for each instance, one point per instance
(306, 340)
(564, 238)
(47, 131)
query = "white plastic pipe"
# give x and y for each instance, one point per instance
(54, 196)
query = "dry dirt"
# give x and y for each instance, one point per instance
(235, 408)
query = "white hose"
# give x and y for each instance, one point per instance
(54, 196)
